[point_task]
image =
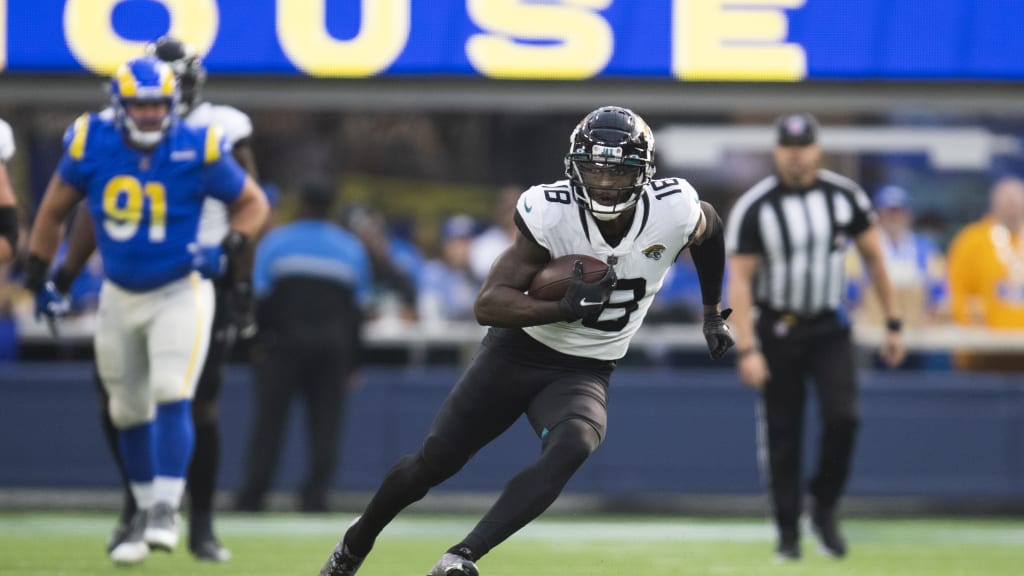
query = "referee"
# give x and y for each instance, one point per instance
(786, 239)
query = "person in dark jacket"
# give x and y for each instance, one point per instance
(310, 279)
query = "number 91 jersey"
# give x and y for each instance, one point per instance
(145, 206)
(666, 218)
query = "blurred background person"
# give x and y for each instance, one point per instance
(447, 288)
(986, 274)
(396, 266)
(233, 313)
(490, 243)
(916, 266)
(786, 251)
(311, 279)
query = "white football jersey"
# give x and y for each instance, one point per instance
(213, 221)
(667, 215)
(6, 142)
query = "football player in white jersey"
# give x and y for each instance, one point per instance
(8, 205)
(233, 296)
(552, 360)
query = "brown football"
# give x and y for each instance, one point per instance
(553, 280)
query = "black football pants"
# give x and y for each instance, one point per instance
(822, 349)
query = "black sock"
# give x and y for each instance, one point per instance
(202, 475)
(461, 549)
(128, 507)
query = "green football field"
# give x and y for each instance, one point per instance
(72, 544)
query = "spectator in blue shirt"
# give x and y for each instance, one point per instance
(311, 279)
(447, 289)
(915, 264)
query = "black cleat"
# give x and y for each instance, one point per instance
(826, 530)
(788, 549)
(342, 562)
(454, 565)
(208, 549)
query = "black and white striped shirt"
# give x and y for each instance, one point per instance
(801, 237)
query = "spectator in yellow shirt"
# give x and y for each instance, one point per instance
(986, 273)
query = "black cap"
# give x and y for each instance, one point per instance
(796, 129)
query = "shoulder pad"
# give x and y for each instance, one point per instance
(76, 135)
(214, 145)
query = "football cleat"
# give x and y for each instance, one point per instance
(454, 565)
(826, 529)
(341, 562)
(209, 549)
(118, 535)
(132, 548)
(162, 527)
(788, 549)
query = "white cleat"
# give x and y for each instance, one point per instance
(132, 549)
(162, 527)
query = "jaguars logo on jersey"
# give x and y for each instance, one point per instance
(654, 251)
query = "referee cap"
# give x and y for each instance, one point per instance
(796, 129)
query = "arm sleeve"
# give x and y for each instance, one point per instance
(709, 257)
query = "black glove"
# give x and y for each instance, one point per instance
(716, 332)
(242, 309)
(585, 300)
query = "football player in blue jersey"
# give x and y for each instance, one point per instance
(144, 177)
(234, 313)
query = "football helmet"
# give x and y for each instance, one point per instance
(610, 160)
(144, 79)
(187, 66)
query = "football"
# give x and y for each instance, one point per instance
(553, 280)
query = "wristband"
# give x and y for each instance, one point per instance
(36, 271)
(745, 351)
(894, 325)
(62, 280)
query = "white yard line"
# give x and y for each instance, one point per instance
(603, 529)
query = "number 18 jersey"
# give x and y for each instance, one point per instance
(145, 205)
(666, 219)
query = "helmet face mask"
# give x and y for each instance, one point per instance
(610, 160)
(187, 66)
(139, 82)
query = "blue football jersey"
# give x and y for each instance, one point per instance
(145, 206)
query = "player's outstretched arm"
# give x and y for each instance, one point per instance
(250, 210)
(81, 245)
(57, 203)
(502, 301)
(708, 253)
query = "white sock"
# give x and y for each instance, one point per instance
(143, 493)
(168, 489)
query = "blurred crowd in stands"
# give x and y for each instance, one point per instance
(981, 282)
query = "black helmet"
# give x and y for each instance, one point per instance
(187, 67)
(610, 151)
